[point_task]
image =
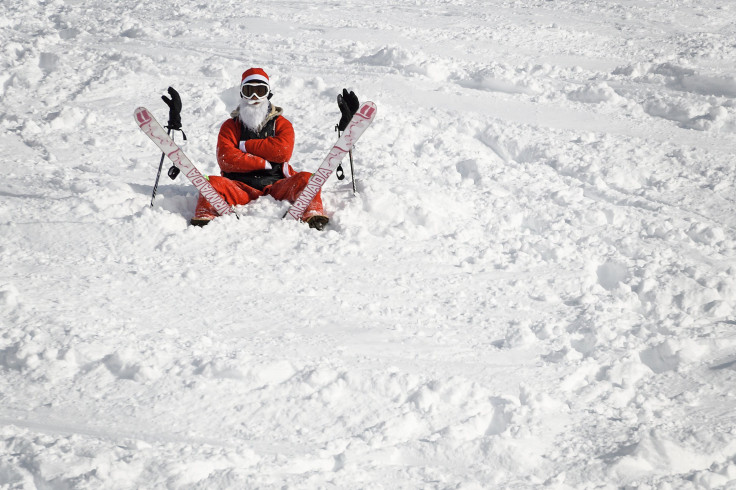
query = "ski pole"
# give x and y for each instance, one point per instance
(174, 104)
(348, 104)
(352, 170)
(339, 172)
(158, 175)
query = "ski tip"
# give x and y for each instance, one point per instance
(142, 115)
(367, 110)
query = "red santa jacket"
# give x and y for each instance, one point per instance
(235, 156)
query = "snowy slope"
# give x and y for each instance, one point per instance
(534, 287)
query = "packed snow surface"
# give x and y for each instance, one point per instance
(534, 285)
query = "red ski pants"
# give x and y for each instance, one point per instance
(236, 193)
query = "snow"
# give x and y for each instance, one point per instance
(533, 287)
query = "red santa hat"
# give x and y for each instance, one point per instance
(254, 75)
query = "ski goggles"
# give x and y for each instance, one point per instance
(257, 90)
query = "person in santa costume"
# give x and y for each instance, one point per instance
(253, 151)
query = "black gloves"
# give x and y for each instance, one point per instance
(174, 104)
(348, 104)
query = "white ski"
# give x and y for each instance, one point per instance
(153, 129)
(357, 125)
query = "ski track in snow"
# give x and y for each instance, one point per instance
(534, 286)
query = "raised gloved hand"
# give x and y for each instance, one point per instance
(174, 104)
(348, 104)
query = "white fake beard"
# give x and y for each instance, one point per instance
(253, 115)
